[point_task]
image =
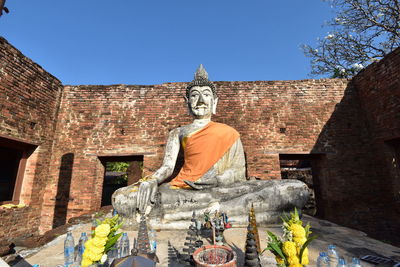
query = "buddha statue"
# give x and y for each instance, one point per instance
(213, 176)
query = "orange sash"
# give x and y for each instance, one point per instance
(203, 149)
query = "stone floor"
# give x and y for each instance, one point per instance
(349, 242)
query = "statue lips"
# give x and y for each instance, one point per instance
(201, 110)
(202, 106)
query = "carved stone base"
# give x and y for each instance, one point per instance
(270, 198)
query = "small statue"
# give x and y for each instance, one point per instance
(252, 258)
(253, 222)
(142, 244)
(189, 246)
(213, 174)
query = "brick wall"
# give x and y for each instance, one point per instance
(352, 126)
(378, 89)
(127, 120)
(358, 180)
(29, 100)
(340, 175)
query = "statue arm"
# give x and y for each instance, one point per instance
(170, 156)
(148, 189)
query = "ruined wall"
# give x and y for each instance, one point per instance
(378, 89)
(272, 117)
(354, 126)
(358, 180)
(29, 100)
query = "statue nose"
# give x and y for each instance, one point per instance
(201, 100)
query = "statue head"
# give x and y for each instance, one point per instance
(201, 96)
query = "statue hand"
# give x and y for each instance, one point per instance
(146, 194)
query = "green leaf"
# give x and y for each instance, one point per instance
(111, 242)
(117, 166)
(278, 250)
(285, 218)
(274, 238)
(305, 245)
(274, 245)
(294, 217)
(118, 226)
(307, 228)
(296, 214)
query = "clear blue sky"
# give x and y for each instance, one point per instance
(156, 41)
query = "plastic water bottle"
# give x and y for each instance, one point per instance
(81, 247)
(342, 263)
(333, 256)
(153, 241)
(112, 254)
(323, 260)
(355, 262)
(69, 249)
(124, 246)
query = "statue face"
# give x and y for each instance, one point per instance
(201, 102)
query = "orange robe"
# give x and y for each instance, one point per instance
(203, 149)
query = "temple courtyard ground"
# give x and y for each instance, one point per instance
(350, 243)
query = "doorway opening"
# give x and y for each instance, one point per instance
(119, 171)
(13, 157)
(299, 167)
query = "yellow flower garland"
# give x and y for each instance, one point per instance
(289, 248)
(102, 230)
(104, 237)
(297, 230)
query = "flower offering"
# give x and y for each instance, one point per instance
(102, 241)
(291, 250)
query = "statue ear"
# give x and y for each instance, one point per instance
(187, 105)
(214, 108)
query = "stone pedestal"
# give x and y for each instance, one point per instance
(270, 198)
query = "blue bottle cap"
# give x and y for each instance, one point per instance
(83, 234)
(331, 247)
(342, 261)
(124, 234)
(356, 260)
(322, 254)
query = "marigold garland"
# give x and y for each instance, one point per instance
(102, 241)
(293, 246)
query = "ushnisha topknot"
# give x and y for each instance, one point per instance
(201, 79)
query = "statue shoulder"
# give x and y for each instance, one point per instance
(185, 130)
(174, 133)
(179, 132)
(225, 127)
(175, 130)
